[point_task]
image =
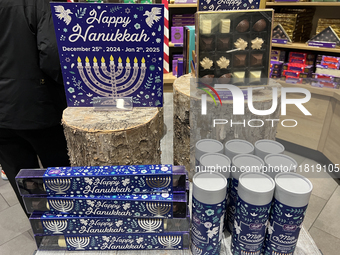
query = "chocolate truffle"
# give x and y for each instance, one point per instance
(39, 205)
(242, 26)
(207, 44)
(225, 26)
(240, 60)
(31, 185)
(223, 43)
(239, 77)
(256, 59)
(260, 25)
(225, 78)
(207, 79)
(255, 76)
(206, 26)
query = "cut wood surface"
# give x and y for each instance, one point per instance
(191, 126)
(113, 137)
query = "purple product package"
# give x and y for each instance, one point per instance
(129, 241)
(102, 180)
(180, 68)
(52, 224)
(174, 67)
(174, 16)
(161, 205)
(177, 34)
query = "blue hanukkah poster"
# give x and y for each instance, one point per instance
(226, 5)
(110, 50)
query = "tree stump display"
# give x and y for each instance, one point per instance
(189, 128)
(113, 137)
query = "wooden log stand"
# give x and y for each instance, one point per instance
(189, 128)
(113, 137)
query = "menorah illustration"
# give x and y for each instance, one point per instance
(110, 80)
(58, 185)
(250, 253)
(169, 241)
(78, 242)
(57, 226)
(158, 182)
(195, 250)
(158, 209)
(62, 205)
(150, 225)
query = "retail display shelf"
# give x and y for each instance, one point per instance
(182, 5)
(303, 46)
(334, 93)
(175, 44)
(168, 78)
(273, 4)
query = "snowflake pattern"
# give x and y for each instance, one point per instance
(127, 10)
(137, 26)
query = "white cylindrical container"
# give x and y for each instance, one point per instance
(240, 164)
(291, 197)
(208, 203)
(205, 146)
(278, 163)
(237, 146)
(265, 147)
(255, 194)
(215, 162)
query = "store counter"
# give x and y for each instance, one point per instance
(319, 132)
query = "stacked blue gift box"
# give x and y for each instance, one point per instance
(107, 207)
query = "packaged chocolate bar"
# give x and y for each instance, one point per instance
(236, 44)
(331, 59)
(324, 84)
(321, 70)
(52, 224)
(128, 241)
(163, 205)
(289, 73)
(276, 65)
(280, 35)
(102, 180)
(330, 65)
(293, 80)
(326, 38)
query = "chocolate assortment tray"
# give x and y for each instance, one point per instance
(234, 46)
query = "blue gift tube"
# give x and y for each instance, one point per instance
(204, 146)
(240, 163)
(255, 194)
(208, 208)
(291, 197)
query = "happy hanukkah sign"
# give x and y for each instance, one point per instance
(225, 5)
(110, 50)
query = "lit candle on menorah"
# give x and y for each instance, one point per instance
(113, 83)
(56, 226)
(61, 205)
(158, 182)
(58, 185)
(158, 209)
(78, 242)
(169, 241)
(150, 225)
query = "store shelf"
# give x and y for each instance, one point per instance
(179, 45)
(303, 46)
(273, 4)
(168, 78)
(182, 5)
